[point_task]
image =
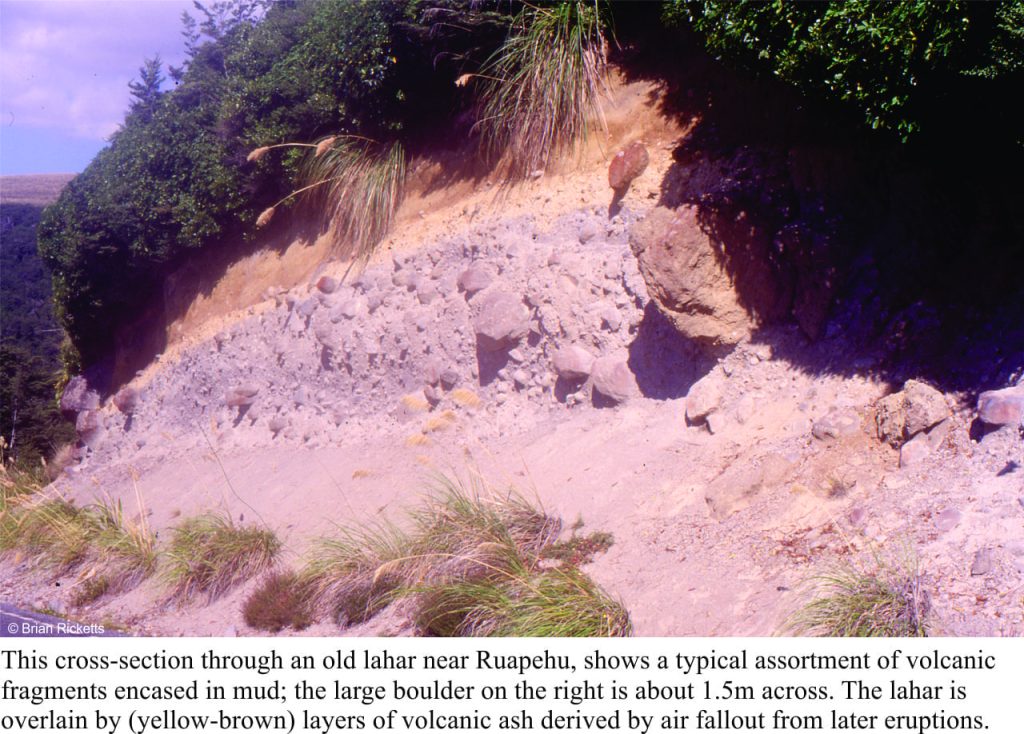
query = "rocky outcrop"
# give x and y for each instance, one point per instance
(715, 298)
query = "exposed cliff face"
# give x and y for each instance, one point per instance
(516, 334)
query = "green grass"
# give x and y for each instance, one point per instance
(355, 183)
(554, 603)
(354, 574)
(887, 600)
(540, 93)
(208, 554)
(113, 552)
(469, 558)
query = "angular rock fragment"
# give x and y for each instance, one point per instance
(126, 400)
(476, 277)
(627, 165)
(924, 407)
(78, 396)
(703, 398)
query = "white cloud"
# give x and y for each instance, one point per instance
(65, 66)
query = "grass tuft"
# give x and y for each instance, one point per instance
(888, 600)
(555, 603)
(208, 554)
(540, 92)
(282, 600)
(360, 183)
(470, 559)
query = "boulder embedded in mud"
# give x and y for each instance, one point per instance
(703, 398)
(914, 409)
(476, 277)
(501, 320)
(573, 362)
(241, 395)
(1002, 407)
(714, 297)
(327, 284)
(613, 378)
(627, 165)
(924, 407)
(126, 400)
(78, 396)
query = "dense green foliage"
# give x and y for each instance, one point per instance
(29, 343)
(903, 64)
(175, 179)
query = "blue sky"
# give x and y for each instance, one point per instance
(64, 72)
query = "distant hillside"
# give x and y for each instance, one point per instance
(38, 190)
(29, 334)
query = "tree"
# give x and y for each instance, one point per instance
(146, 90)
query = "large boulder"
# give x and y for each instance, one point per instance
(1002, 407)
(501, 319)
(714, 297)
(573, 362)
(613, 379)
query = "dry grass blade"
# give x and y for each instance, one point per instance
(541, 91)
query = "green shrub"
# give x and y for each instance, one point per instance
(470, 562)
(905, 64)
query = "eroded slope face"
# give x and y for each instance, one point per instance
(474, 321)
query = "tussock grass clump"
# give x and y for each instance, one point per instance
(208, 554)
(355, 574)
(356, 182)
(470, 560)
(466, 398)
(888, 600)
(282, 600)
(61, 536)
(540, 92)
(555, 603)
(56, 532)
